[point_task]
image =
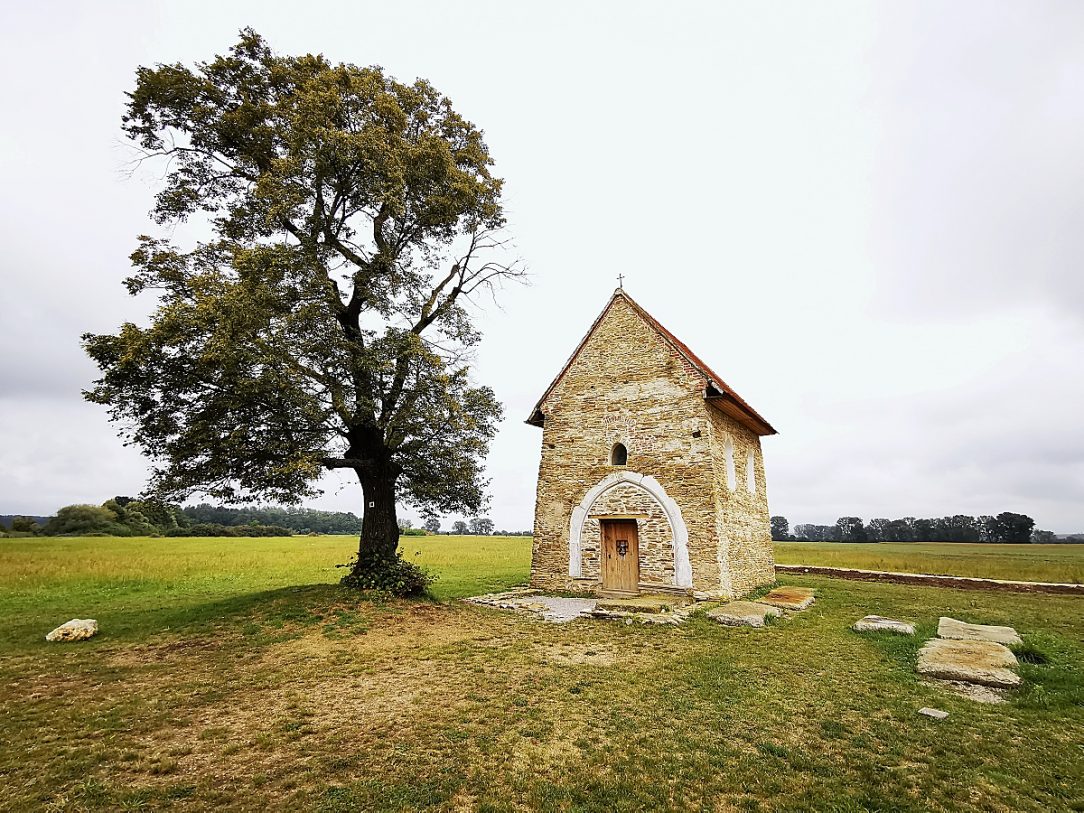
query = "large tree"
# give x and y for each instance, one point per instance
(323, 324)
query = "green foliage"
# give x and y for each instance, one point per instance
(1005, 528)
(1011, 528)
(82, 520)
(299, 520)
(211, 529)
(24, 525)
(804, 714)
(324, 325)
(394, 575)
(780, 529)
(483, 526)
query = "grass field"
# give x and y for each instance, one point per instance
(1038, 563)
(233, 674)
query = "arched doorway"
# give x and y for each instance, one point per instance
(682, 570)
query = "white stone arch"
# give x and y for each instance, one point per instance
(683, 572)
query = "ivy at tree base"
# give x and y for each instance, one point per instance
(393, 575)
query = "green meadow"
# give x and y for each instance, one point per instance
(235, 674)
(1035, 563)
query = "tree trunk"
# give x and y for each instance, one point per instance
(379, 525)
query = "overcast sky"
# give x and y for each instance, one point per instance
(866, 217)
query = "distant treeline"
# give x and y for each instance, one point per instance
(299, 520)
(1005, 528)
(7, 520)
(127, 516)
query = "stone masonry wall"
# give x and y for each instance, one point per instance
(744, 527)
(626, 385)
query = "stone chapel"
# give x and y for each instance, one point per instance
(652, 478)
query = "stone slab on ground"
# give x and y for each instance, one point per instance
(560, 609)
(789, 598)
(936, 714)
(954, 629)
(983, 662)
(878, 623)
(742, 614)
(557, 609)
(78, 629)
(643, 604)
(506, 599)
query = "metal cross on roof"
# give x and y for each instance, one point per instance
(621, 281)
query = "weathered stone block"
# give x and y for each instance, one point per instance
(78, 629)
(984, 662)
(789, 598)
(954, 629)
(877, 623)
(742, 614)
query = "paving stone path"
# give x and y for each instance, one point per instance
(647, 609)
(558, 609)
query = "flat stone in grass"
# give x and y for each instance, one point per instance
(936, 714)
(877, 623)
(78, 629)
(742, 614)
(643, 604)
(789, 598)
(962, 631)
(983, 662)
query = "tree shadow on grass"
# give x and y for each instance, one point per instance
(262, 616)
(294, 607)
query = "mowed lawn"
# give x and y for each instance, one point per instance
(1038, 563)
(234, 674)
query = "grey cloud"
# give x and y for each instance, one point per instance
(866, 217)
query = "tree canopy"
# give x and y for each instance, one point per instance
(324, 324)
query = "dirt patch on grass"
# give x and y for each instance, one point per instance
(570, 654)
(353, 692)
(189, 647)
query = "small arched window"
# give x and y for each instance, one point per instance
(750, 473)
(731, 475)
(619, 455)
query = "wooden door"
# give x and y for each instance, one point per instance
(620, 555)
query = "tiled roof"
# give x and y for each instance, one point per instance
(716, 391)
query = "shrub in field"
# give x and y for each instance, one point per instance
(394, 575)
(24, 525)
(84, 520)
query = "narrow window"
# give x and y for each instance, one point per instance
(619, 455)
(750, 473)
(731, 474)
